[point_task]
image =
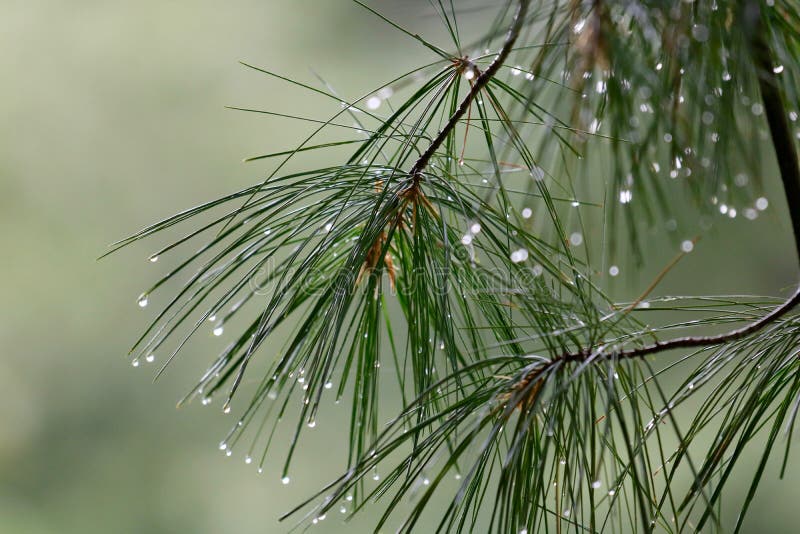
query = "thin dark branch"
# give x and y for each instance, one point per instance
(786, 155)
(477, 87)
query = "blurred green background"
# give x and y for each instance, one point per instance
(111, 117)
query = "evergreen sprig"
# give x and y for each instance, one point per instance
(458, 255)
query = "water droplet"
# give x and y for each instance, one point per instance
(537, 270)
(328, 385)
(612, 492)
(520, 255)
(205, 401)
(285, 480)
(466, 239)
(596, 484)
(516, 70)
(526, 213)
(575, 203)
(374, 102)
(212, 318)
(700, 33)
(135, 362)
(475, 228)
(575, 239)
(687, 246)
(248, 459)
(312, 424)
(426, 482)
(691, 385)
(349, 498)
(613, 270)
(142, 300)
(762, 204)
(218, 331)
(223, 445)
(150, 358)
(625, 196)
(226, 408)
(469, 74)
(153, 258)
(537, 173)
(228, 452)
(342, 509)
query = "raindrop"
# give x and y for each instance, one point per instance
(223, 445)
(228, 452)
(537, 270)
(150, 358)
(374, 102)
(349, 498)
(135, 362)
(575, 239)
(226, 408)
(778, 69)
(285, 480)
(328, 385)
(466, 239)
(596, 484)
(475, 228)
(469, 74)
(700, 33)
(625, 196)
(206, 401)
(142, 300)
(537, 173)
(218, 331)
(613, 270)
(342, 509)
(612, 492)
(518, 256)
(212, 318)
(526, 213)
(575, 203)
(426, 482)
(762, 204)
(154, 258)
(248, 459)
(312, 424)
(687, 246)
(515, 71)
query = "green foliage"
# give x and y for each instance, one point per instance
(463, 244)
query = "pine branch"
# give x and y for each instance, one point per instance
(789, 167)
(481, 82)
